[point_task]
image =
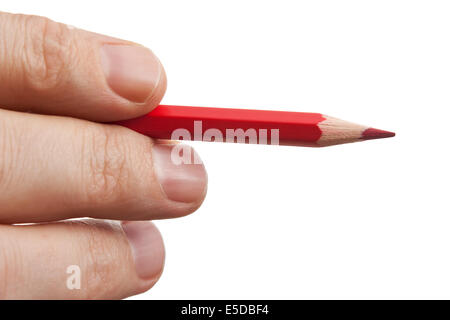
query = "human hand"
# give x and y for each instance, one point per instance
(58, 162)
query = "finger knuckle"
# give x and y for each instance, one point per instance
(103, 260)
(106, 169)
(9, 154)
(10, 267)
(49, 50)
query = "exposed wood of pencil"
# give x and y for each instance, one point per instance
(292, 128)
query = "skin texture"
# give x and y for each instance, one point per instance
(58, 161)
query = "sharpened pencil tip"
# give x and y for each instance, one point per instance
(373, 133)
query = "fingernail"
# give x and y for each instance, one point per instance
(132, 72)
(180, 172)
(147, 248)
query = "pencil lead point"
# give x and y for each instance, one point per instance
(372, 133)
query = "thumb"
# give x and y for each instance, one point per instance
(51, 68)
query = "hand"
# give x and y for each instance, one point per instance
(56, 163)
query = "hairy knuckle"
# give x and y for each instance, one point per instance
(105, 158)
(49, 51)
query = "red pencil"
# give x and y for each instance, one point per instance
(250, 126)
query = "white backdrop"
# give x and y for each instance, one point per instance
(365, 220)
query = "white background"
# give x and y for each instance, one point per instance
(364, 220)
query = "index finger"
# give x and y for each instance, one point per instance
(51, 68)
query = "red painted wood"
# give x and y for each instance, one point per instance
(295, 128)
